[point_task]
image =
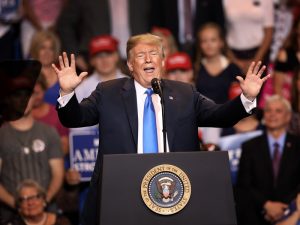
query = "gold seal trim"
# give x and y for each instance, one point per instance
(165, 169)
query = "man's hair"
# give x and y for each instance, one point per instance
(278, 98)
(145, 39)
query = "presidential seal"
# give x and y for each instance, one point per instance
(166, 189)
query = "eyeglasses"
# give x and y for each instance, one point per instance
(28, 198)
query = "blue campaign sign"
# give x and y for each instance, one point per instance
(8, 6)
(232, 144)
(83, 152)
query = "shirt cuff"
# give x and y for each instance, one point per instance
(63, 100)
(248, 105)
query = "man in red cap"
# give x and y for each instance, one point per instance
(104, 58)
(179, 67)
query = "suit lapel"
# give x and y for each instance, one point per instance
(171, 112)
(129, 97)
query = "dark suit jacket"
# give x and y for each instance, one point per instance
(114, 106)
(83, 19)
(255, 182)
(165, 14)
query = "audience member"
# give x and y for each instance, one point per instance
(10, 17)
(81, 20)
(283, 22)
(169, 43)
(292, 214)
(179, 67)
(214, 72)
(46, 113)
(294, 126)
(104, 58)
(38, 15)
(184, 17)
(28, 150)
(287, 62)
(249, 30)
(45, 47)
(31, 204)
(269, 167)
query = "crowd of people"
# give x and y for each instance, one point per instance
(207, 43)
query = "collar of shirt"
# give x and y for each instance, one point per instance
(280, 141)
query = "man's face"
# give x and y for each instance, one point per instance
(185, 76)
(105, 63)
(146, 62)
(276, 116)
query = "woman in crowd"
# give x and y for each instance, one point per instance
(214, 72)
(31, 205)
(294, 126)
(249, 30)
(45, 47)
(288, 61)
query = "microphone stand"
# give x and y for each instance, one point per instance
(156, 85)
(164, 129)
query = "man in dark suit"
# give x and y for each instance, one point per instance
(118, 107)
(268, 177)
(80, 21)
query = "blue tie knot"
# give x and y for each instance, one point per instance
(149, 92)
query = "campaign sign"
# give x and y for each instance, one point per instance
(232, 144)
(83, 152)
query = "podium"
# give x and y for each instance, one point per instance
(211, 196)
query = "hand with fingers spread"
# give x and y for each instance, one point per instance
(67, 76)
(253, 81)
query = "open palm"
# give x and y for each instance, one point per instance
(252, 83)
(67, 76)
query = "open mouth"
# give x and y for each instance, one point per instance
(149, 69)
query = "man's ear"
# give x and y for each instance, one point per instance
(130, 66)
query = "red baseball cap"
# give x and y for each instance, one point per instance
(103, 43)
(179, 60)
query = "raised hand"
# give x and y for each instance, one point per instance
(253, 82)
(67, 76)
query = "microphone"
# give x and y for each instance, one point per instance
(157, 89)
(156, 86)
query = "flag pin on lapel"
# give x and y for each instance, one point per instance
(171, 97)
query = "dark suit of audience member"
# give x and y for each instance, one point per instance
(116, 105)
(165, 13)
(264, 189)
(82, 20)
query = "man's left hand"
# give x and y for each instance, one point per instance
(253, 81)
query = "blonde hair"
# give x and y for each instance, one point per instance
(39, 38)
(278, 98)
(145, 39)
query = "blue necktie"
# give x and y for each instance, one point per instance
(149, 132)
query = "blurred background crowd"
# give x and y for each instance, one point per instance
(207, 43)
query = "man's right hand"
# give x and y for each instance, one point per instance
(274, 210)
(67, 76)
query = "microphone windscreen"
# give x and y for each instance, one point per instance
(155, 83)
